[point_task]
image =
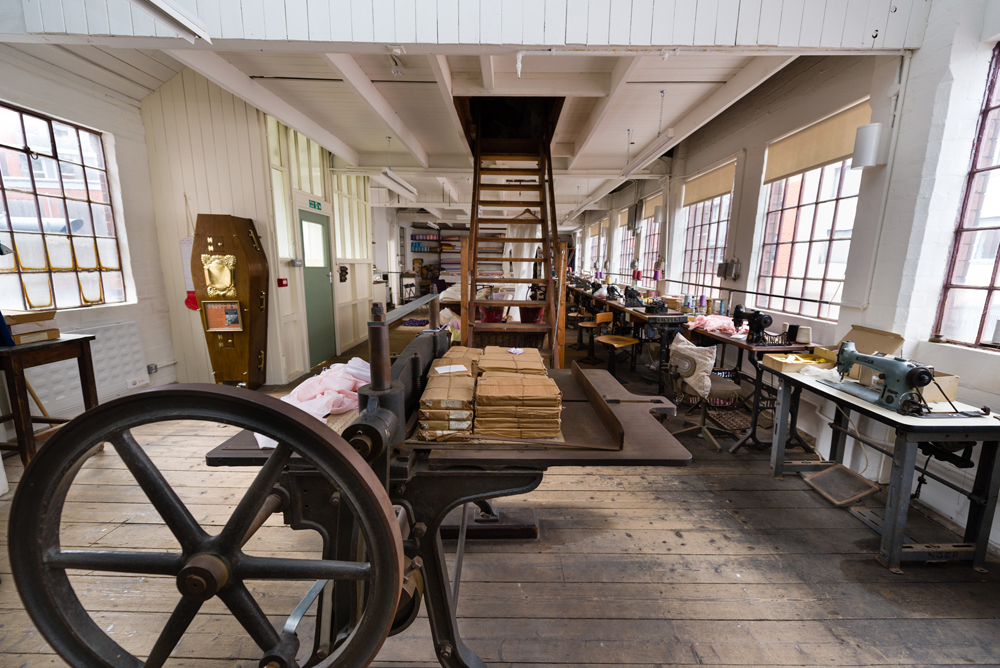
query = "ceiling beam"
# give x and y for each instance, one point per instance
(442, 74)
(756, 72)
(535, 84)
(619, 77)
(220, 72)
(359, 82)
(486, 64)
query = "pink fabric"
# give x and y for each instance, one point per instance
(713, 323)
(333, 391)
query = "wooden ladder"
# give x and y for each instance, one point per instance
(535, 184)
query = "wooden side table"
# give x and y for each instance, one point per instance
(13, 362)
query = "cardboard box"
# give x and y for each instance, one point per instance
(520, 364)
(452, 366)
(948, 383)
(31, 327)
(21, 317)
(866, 340)
(519, 412)
(464, 352)
(35, 337)
(523, 391)
(449, 392)
(446, 425)
(444, 414)
(795, 362)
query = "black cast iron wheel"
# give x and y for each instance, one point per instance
(207, 565)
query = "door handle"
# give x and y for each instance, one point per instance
(330, 274)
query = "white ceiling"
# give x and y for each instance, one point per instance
(418, 106)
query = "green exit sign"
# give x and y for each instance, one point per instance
(313, 204)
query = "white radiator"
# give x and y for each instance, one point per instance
(118, 359)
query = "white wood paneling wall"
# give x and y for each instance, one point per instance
(829, 24)
(207, 154)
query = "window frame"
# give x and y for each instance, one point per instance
(689, 277)
(650, 251)
(626, 249)
(988, 106)
(765, 297)
(116, 224)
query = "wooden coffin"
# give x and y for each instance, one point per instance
(230, 279)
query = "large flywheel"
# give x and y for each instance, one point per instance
(205, 566)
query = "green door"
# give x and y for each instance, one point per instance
(318, 281)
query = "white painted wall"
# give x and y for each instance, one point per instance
(207, 154)
(34, 86)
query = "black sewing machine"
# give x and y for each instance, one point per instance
(632, 298)
(757, 322)
(594, 287)
(613, 293)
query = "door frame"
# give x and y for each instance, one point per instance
(301, 202)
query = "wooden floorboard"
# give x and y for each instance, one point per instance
(713, 564)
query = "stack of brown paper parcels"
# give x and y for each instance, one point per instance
(463, 352)
(518, 407)
(446, 406)
(496, 360)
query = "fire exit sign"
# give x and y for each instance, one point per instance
(313, 204)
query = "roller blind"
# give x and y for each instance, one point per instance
(711, 184)
(831, 140)
(594, 229)
(649, 206)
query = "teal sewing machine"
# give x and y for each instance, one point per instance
(901, 380)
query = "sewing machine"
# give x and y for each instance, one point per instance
(632, 297)
(594, 287)
(613, 293)
(901, 380)
(757, 322)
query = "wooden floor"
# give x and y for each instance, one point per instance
(715, 564)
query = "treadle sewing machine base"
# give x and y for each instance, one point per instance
(434, 482)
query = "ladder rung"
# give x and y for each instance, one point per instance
(497, 171)
(511, 327)
(511, 240)
(510, 302)
(488, 280)
(510, 204)
(511, 157)
(510, 221)
(510, 187)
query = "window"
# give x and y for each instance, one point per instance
(807, 237)
(650, 251)
(626, 248)
(55, 213)
(707, 227)
(351, 216)
(970, 304)
(592, 260)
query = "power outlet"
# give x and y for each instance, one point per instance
(138, 381)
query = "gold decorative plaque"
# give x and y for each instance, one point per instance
(219, 275)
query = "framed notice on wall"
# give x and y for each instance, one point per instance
(223, 316)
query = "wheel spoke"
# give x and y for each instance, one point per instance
(178, 623)
(146, 563)
(236, 528)
(175, 514)
(268, 568)
(240, 602)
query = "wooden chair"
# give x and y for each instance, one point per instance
(723, 393)
(594, 326)
(614, 342)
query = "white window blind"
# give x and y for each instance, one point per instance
(711, 184)
(824, 143)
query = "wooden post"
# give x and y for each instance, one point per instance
(463, 316)
(559, 344)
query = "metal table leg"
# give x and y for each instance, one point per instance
(904, 460)
(430, 495)
(751, 435)
(780, 437)
(983, 502)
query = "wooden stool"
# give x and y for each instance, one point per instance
(614, 342)
(596, 324)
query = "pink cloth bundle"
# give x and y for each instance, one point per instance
(714, 323)
(331, 392)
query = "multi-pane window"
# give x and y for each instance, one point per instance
(592, 259)
(626, 252)
(650, 251)
(807, 237)
(705, 244)
(970, 305)
(55, 213)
